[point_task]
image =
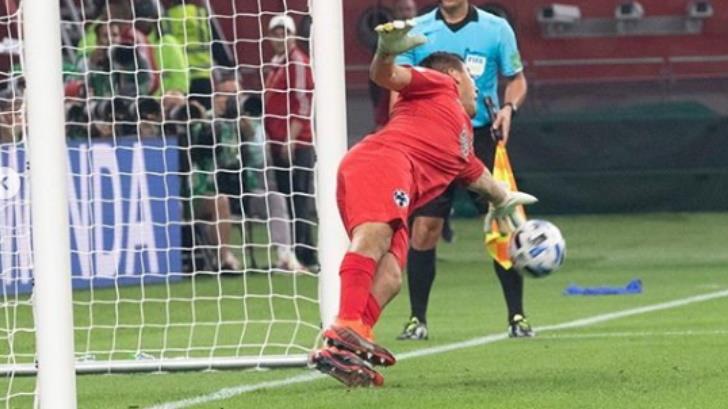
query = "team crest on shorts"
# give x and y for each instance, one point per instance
(401, 198)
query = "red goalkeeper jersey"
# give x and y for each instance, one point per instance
(427, 144)
(429, 125)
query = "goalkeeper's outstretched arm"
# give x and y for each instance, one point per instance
(393, 39)
(385, 73)
(503, 202)
(488, 188)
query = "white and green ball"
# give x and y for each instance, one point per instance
(537, 248)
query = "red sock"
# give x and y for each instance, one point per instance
(371, 312)
(357, 274)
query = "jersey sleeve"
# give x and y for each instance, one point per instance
(425, 82)
(509, 59)
(472, 171)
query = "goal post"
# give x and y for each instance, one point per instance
(130, 265)
(47, 161)
(331, 131)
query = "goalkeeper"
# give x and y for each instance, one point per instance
(488, 46)
(427, 144)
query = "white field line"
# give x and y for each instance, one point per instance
(227, 393)
(637, 334)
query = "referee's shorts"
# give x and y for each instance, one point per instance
(485, 151)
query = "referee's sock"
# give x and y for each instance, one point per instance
(420, 276)
(512, 284)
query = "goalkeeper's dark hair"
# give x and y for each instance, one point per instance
(443, 61)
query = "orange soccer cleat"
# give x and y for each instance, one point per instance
(346, 367)
(356, 337)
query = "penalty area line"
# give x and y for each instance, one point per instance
(227, 393)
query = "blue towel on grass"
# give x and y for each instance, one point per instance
(633, 287)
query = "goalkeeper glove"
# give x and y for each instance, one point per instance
(394, 37)
(506, 213)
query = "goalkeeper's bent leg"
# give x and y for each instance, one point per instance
(387, 281)
(357, 274)
(369, 244)
(356, 335)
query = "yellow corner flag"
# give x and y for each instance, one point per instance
(496, 242)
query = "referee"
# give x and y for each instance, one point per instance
(487, 44)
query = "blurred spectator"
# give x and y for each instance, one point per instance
(149, 112)
(225, 134)
(208, 205)
(402, 10)
(238, 116)
(116, 70)
(287, 105)
(115, 11)
(262, 197)
(173, 99)
(189, 22)
(117, 66)
(77, 126)
(116, 58)
(169, 53)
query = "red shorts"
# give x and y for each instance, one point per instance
(375, 184)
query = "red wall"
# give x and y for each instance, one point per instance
(713, 42)
(535, 48)
(243, 26)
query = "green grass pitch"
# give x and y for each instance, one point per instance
(670, 358)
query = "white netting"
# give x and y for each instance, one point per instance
(16, 313)
(192, 215)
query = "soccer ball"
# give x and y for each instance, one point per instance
(537, 248)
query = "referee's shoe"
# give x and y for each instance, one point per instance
(520, 328)
(414, 330)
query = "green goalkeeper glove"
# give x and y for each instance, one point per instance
(506, 214)
(394, 37)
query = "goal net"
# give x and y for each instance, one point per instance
(192, 188)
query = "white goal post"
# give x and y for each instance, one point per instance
(52, 300)
(330, 94)
(118, 284)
